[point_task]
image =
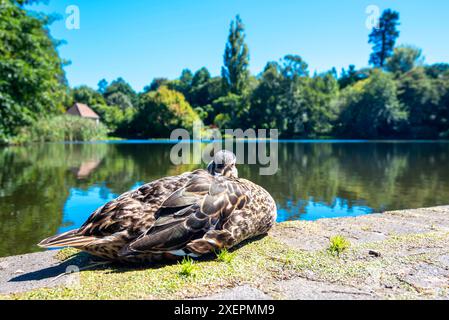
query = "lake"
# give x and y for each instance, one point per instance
(50, 188)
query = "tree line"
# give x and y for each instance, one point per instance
(398, 96)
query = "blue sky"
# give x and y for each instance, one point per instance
(143, 39)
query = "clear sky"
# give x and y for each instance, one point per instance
(143, 39)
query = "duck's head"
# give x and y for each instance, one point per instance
(223, 164)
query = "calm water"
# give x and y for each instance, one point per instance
(50, 188)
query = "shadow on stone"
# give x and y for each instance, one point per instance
(79, 260)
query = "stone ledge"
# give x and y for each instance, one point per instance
(399, 254)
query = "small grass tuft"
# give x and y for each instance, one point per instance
(224, 255)
(187, 267)
(337, 245)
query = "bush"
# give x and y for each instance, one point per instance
(161, 112)
(117, 120)
(62, 128)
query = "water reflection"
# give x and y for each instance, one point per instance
(51, 188)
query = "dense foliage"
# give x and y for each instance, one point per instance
(32, 82)
(400, 97)
(161, 112)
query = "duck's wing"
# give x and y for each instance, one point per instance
(204, 204)
(124, 218)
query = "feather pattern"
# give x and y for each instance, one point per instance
(190, 214)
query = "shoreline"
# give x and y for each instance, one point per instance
(115, 140)
(393, 255)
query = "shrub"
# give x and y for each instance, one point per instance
(62, 128)
(161, 112)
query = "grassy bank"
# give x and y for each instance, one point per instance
(61, 128)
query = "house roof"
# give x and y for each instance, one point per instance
(82, 110)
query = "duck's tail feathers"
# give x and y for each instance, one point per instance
(67, 239)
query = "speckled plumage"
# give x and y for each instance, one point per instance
(190, 214)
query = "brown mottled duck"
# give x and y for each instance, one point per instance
(192, 214)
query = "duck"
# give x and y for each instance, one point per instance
(191, 214)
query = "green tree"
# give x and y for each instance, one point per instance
(32, 82)
(383, 38)
(231, 110)
(116, 119)
(437, 70)
(185, 81)
(161, 112)
(120, 100)
(86, 95)
(102, 85)
(287, 99)
(156, 84)
(371, 109)
(292, 103)
(265, 109)
(352, 75)
(198, 93)
(294, 67)
(421, 97)
(120, 85)
(236, 59)
(404, 59)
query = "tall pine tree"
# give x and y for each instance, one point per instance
(383, 38)
(236, 59)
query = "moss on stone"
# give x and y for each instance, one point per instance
(259, 263)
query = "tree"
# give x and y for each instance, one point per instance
(120, 100)
(383, 38)
(294, 67)
(229, 110)
(185, 81)
(115, 118)
(437, 70)
(198, 92)
(86, 95)
(161, 112)
(156, 84)
(404, 59)
(371, 109)
(292, 104)
(265, 112)
(120, 85)
(421, 97)
(352, 75)
(287, 99)
(102, 85)
(32, 81)
(236, 59)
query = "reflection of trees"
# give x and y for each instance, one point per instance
(32, 195)
(378, 175)
(34, 184)
(35, 180)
